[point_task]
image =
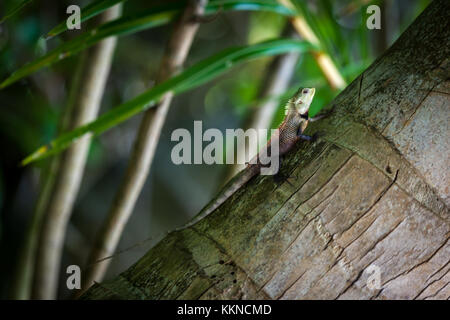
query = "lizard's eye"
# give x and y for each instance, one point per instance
(305, 91)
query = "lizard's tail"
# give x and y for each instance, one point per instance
(228, 190)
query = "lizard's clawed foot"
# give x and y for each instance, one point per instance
(279, 178)
(292, 181)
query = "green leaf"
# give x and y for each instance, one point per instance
(99, 6)
(87, 39)
(15, 10)
(91, 10)
(192, 77)
(132, 24)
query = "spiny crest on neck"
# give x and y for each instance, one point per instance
(301, 101)
(289, 107)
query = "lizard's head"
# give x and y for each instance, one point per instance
(302, 99)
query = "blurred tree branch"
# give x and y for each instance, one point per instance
(23, 277)
(144, 146)
(57, 201)
(324, 61)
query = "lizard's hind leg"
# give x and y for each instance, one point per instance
(312, 138)
(305, 137)
(280, 177)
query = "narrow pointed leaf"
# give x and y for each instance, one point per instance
(99, 6)
(132, 24)
(15, 10)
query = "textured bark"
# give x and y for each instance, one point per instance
(372, 191)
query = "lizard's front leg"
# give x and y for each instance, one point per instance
(280, 177)
(321, 116)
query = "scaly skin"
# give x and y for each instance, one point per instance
(289, 133)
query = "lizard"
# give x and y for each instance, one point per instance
(288, 134)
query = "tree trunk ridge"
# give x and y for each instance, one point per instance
(369, 199)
